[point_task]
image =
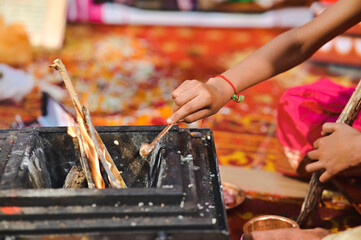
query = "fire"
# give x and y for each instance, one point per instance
(71, 126)
(89, 149)
(89, 140)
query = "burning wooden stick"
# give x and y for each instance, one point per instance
(114, 174)
(315, 188)
(146, 148)
(83, 160)
(114, 181)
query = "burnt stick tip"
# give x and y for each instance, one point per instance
(56, 67)
(146, 148)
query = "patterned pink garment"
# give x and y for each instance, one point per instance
(85, 11)
(303, 110)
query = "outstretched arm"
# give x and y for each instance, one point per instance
(194, 100)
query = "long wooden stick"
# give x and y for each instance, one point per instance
(315, 187)
(59, 66)
(83, 160)
(113, 181)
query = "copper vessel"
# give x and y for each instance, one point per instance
(238, 195)
(268, 222)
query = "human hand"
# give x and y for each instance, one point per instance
(290, 234)
(194, 100)
(337, 151)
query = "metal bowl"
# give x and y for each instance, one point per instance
(237, 195)
(268, 222)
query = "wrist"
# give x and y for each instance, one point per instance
(223, 88)
(226, 90)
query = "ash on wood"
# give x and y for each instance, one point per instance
(75, 178)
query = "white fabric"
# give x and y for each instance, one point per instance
(349, 234)
(14, 84)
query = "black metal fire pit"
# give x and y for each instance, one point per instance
(174, 193)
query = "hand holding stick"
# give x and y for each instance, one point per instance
(315, 188)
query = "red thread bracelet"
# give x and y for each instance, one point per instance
(235, 97)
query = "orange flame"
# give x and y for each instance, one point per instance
(89, 149)
(71, 126)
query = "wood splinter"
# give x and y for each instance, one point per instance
(146, 148)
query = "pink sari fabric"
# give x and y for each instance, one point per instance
(302, 112)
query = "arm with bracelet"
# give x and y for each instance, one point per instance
(194, 100)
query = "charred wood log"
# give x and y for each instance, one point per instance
(75, 178)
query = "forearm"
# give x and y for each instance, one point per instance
(278, 55)
(194, 100)
(295, 46)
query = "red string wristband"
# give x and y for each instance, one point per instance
(235, 97)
